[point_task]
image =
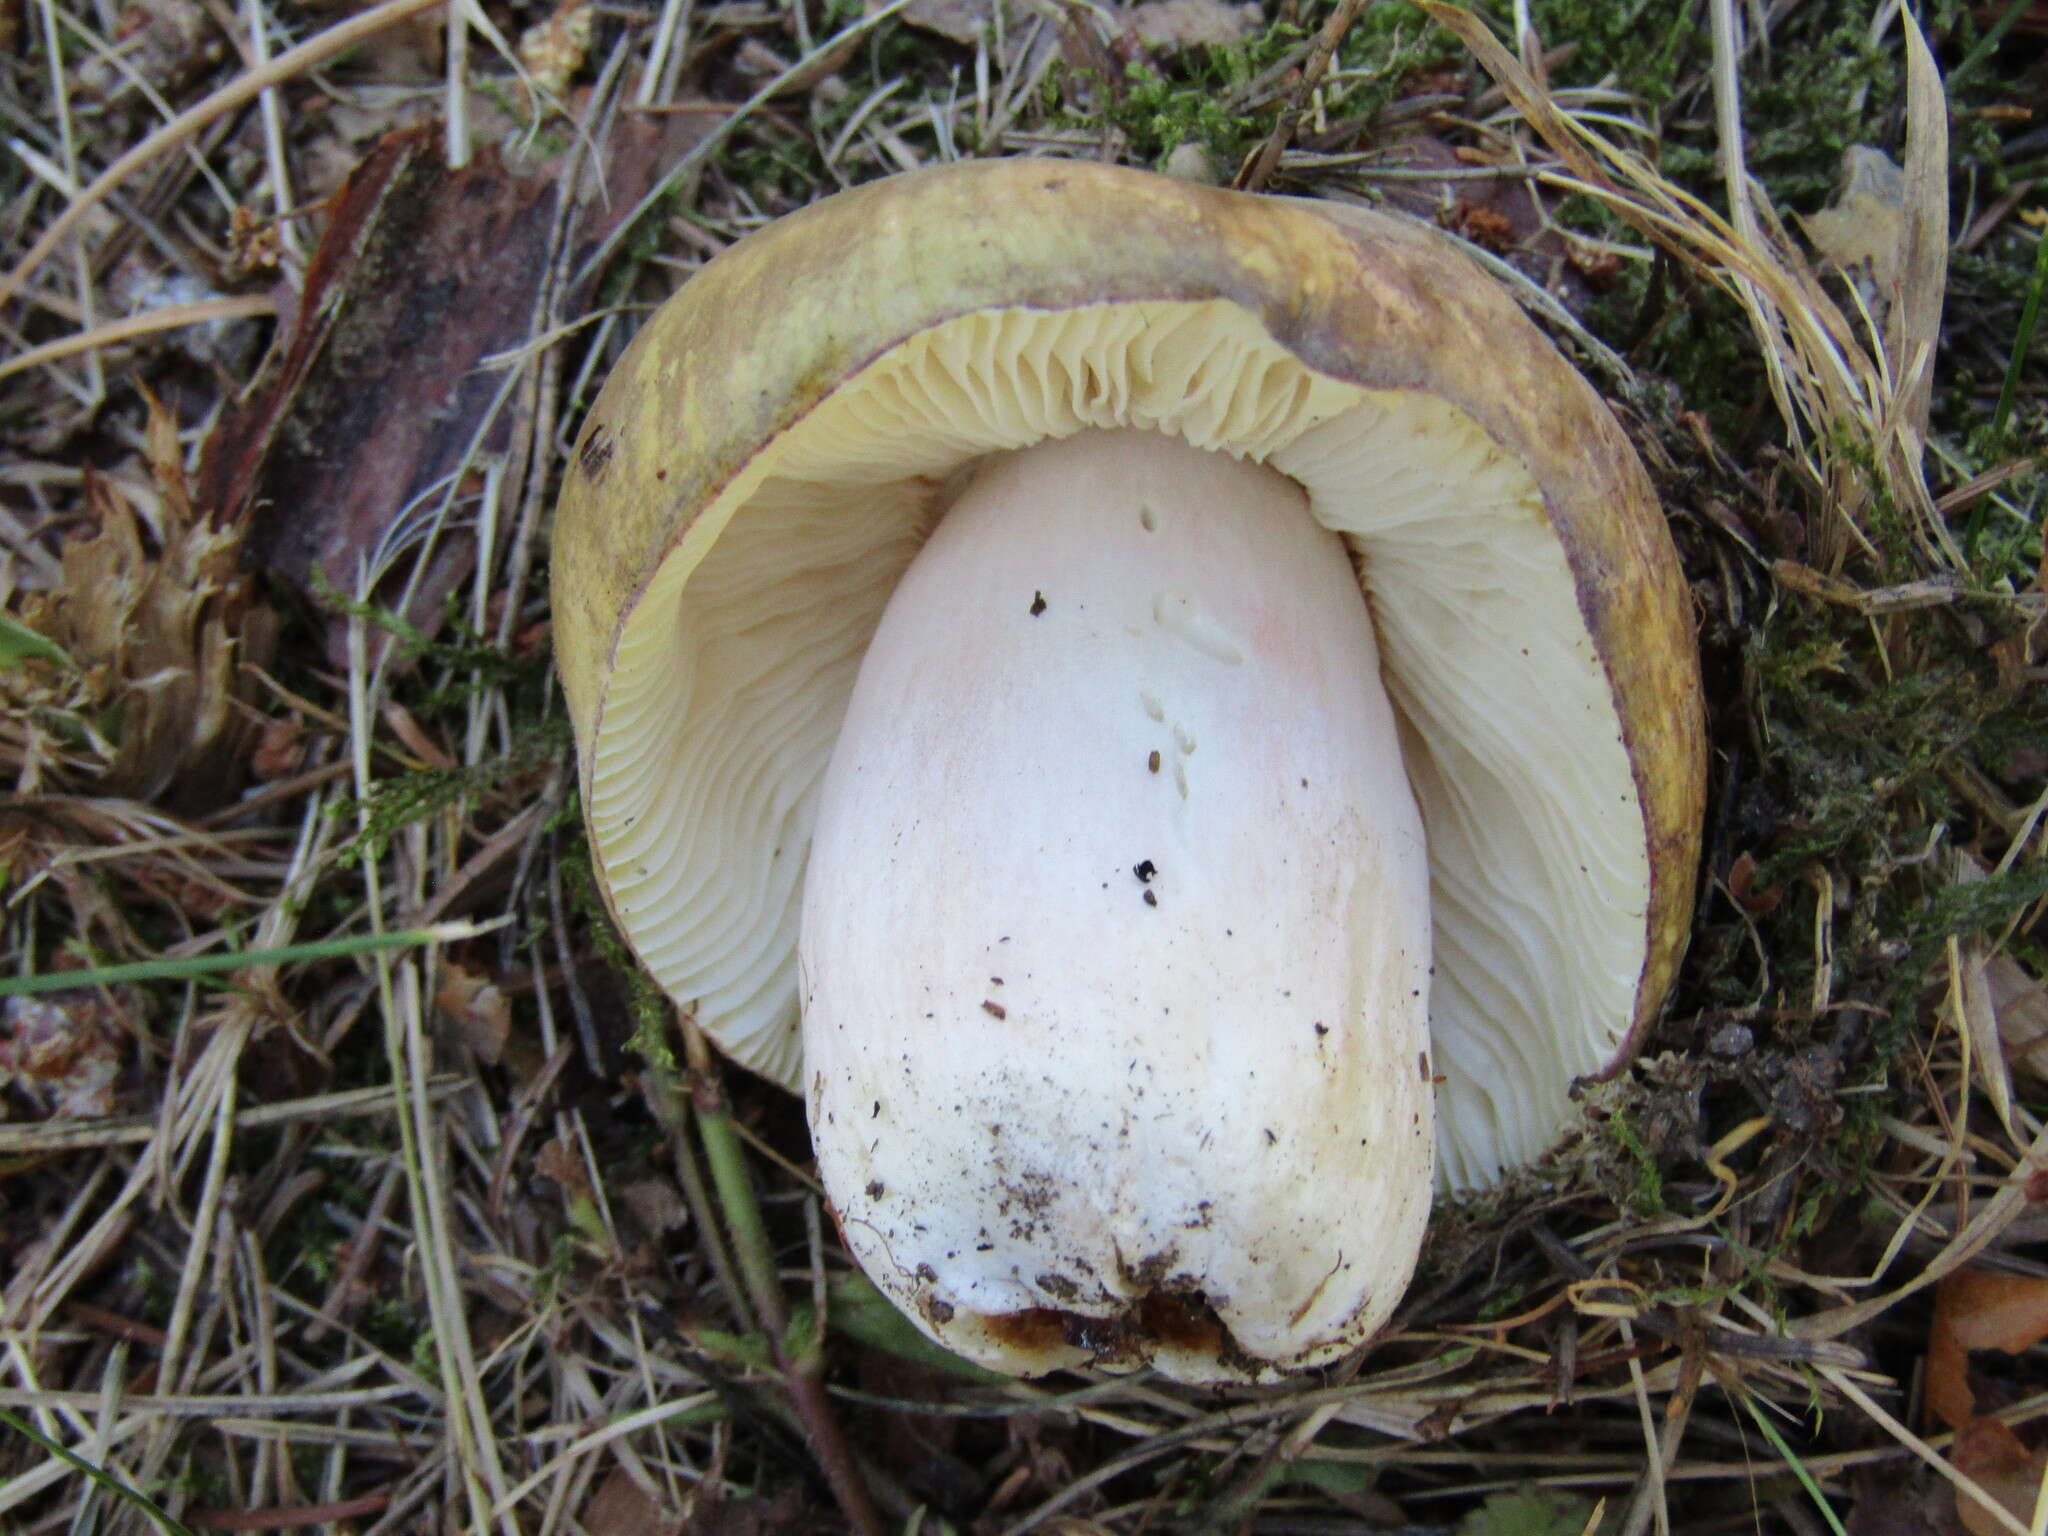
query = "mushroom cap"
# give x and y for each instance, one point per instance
(764, 459)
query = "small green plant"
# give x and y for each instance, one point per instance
(1647, 1197)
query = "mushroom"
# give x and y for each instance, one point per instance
(1169, 715)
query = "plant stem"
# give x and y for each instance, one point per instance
(671, 1106)
(802, 1368)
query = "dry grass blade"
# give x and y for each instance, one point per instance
(1913, 324)
(1833, 384)
(187, 125)
(480, 1472)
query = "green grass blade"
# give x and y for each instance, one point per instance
(189, 967)
(1791, 1459)
(2030, 320)
(120, 1490)
(1987, 45)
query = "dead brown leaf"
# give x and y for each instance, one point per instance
(478, 1008)
(559, 1161)
(1978, 1309)
(280, 749)
(1864, 229)
(959, 21)
(2020, 1000)
(1743, 887)
(1492, 204)
(1998, 1461)
(620, 1504)
(164, 45)
(1889, 1502)
(655, 1204)
(1174, 26)
(782, 1515)
(382, 386)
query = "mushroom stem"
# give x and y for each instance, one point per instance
(1116, 935)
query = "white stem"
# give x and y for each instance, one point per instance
(1116, 933)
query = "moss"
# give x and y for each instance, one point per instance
(1648, 45)
(396, 1327)
(1826, 87)
(1158, 113)
(650, 1006)
(1861, 779)
(1387, 49)
(456, 667)
(1646, 1199)
(405, 799)
(1192, 97)
(1184, 100)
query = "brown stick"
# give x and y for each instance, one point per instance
(1313, 68)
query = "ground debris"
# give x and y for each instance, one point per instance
(155, 626)
(1172, 26)
(621, 1504)
(159, 48)
(66, 1050)
(1980, 1309)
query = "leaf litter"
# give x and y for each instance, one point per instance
(410, 1240)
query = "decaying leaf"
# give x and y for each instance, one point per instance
(1531, 1512)
(559, 1160)
(2019, 1000)
(1981, 1309)
(1173, 26)
(620, 1504)
(66, 1049)
(553, 50)
(161, 45)
(1998, 1461)
(1865, 227)
(1157, 27)
(1504, 212)
(155, 627)
(479, 1009)
(391, 387)
(1889, 1501)
(280, 748)
(655, 1205)
(959, 21)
